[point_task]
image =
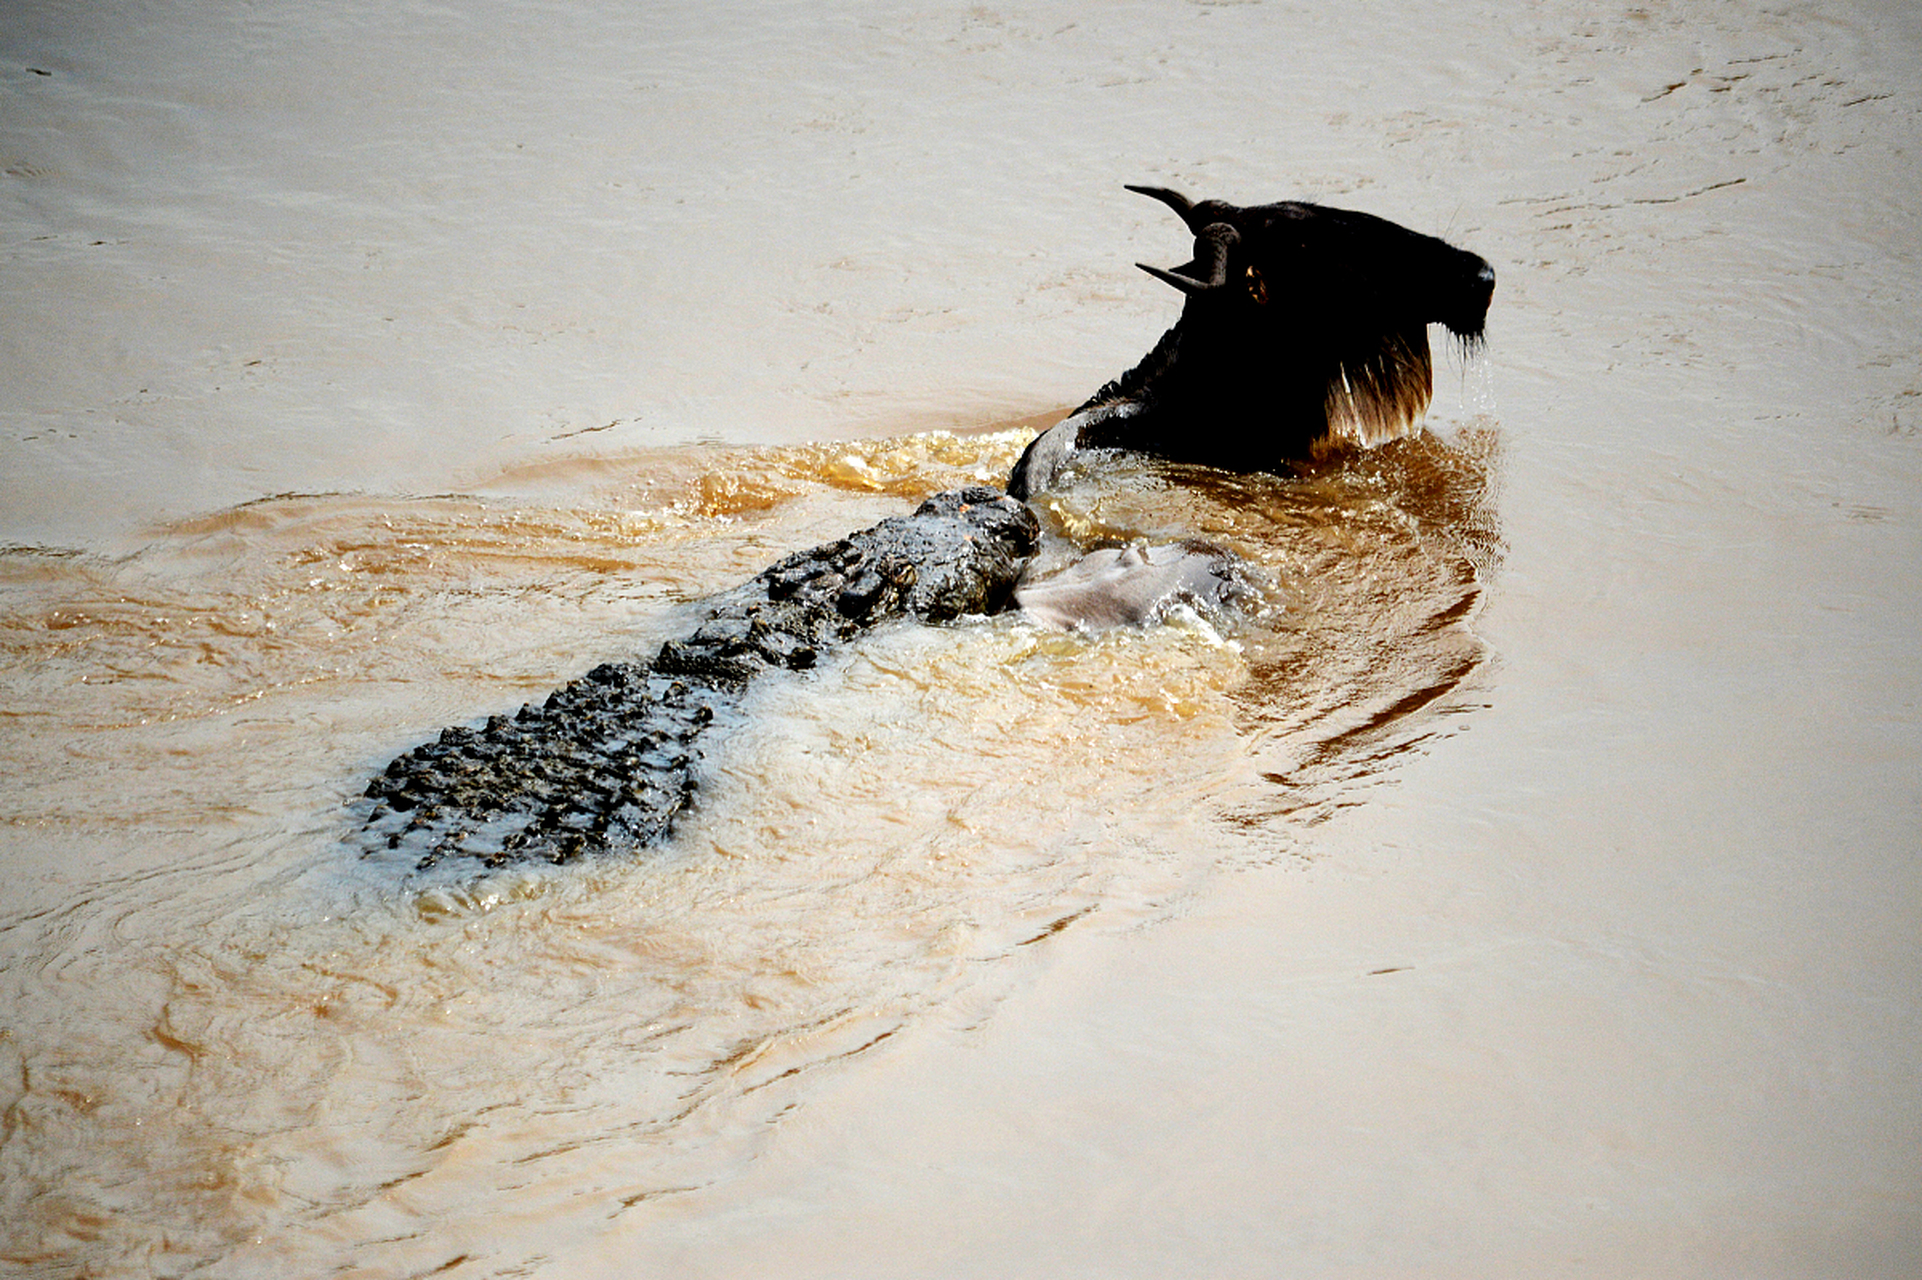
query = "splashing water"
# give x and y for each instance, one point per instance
(234, 1041)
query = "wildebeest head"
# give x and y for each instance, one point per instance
(1293, 265)
(1292, 303)
(1305, 328)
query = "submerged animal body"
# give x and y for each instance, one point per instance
(1305, 329)
(609, 760)
(1128, 586)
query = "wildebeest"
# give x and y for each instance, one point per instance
(1305, 329)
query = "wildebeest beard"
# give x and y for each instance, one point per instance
(1305, 331)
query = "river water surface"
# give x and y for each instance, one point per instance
(1525, 882)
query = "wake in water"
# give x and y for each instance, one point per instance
(233, 1044)
(284, 1063)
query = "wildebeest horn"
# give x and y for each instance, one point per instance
(1212, 243)
(1173, 199)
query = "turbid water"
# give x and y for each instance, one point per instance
(1525, 881)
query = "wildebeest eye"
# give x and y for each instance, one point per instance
(1257, 287)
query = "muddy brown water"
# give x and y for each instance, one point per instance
(1527, 884)
(282, 1041)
